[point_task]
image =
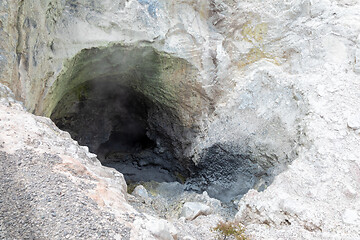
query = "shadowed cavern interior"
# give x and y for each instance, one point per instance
(112, 120)
(132, 106)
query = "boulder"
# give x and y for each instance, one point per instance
(191, 210)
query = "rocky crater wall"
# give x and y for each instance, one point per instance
(210, 111)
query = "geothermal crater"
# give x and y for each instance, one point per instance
(222, 96)
(140, 111)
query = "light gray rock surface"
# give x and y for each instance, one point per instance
(161, 229)
(191, 210)
(141, 192)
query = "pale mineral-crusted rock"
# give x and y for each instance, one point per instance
(155, 229)
(188, 238)
(351, 216)
(141, 192)
(162, 230)
(353, 122)
(191, 210)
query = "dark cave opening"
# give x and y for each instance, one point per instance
(113, 121)
(142, 112)
(137, 108)
(121, 126)
(124, 128)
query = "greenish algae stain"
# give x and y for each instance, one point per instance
(255, 34)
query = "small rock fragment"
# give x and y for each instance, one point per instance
(188, 238)
(141, 193)
(354, 122)
(357, 58)
(191, 210)
(350, 216)
(162, 229)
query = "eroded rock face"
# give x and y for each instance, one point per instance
(277, 83)
(187, 58)
(195, 53)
